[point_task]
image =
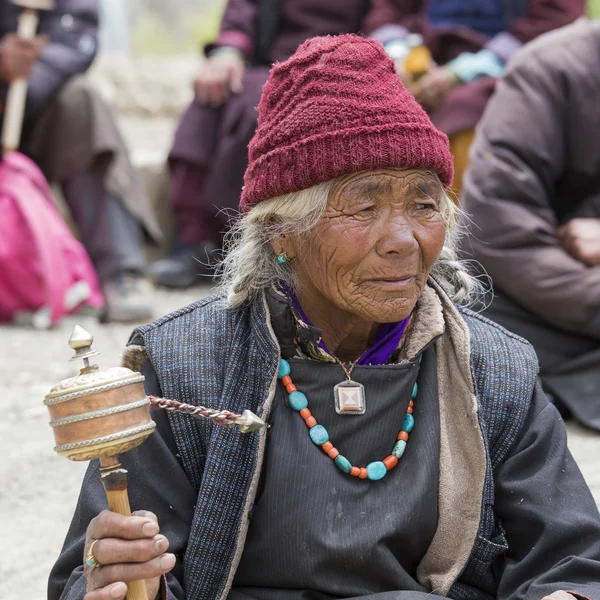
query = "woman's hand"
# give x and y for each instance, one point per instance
(221, 75)
(581, 239)
(128, 549)
(430, 89)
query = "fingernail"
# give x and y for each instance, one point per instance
(118, 590)
(161, 544)
(150, 528)
(167, 562)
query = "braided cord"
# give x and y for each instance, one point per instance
(225, 418)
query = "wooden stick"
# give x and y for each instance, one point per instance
(114, 479)
(17, 90)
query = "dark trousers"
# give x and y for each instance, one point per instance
(76, 144)
(569, 363)
(208, 160)
(111, 235)
(198, 221)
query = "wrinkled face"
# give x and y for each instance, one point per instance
(371, 252)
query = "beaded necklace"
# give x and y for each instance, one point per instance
(319, 436)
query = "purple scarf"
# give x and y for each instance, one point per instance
(386, 341)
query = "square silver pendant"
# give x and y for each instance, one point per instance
(350, 398)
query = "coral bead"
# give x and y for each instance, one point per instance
(409, 410)
(286, 380)
(390, 462)
(305, 413)
(363, 473)
(355, 471)
(327, 446)
(291, 388)
(403, 436)
(333, 453)
(310, 422)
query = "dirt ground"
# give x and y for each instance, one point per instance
(38, 489)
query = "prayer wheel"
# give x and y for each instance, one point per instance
(97, 415)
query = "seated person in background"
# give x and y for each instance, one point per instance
(470, 42)
(210, 150)
(70, 133)
(532, 193)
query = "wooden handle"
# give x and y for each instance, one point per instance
(114, 480)
(17, 90)
(118, 501)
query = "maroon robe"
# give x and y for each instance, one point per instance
(209, 155)
(463, 106)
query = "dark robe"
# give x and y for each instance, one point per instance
(521, 21)
(535, 165)
(215, 140)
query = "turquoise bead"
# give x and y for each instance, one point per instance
(415, 391)
(376, 470)
(284, 368)
(298, 401)
(318, 434)
(408, 423)
(343, 463)
(399, 448)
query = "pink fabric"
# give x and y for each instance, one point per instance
(40, 260)
(337, 106)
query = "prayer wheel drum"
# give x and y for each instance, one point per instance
(98, 414)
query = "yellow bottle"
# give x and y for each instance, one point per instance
(419, 59)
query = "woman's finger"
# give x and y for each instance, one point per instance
(145, 513)
(113, 525)
(110, 551)
(114, 591)
(127, 572)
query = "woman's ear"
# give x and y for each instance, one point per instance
(279, 243)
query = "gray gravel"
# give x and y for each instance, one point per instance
(39, 489)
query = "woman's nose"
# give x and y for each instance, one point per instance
(396, 236)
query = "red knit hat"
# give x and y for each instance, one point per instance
(337, 106)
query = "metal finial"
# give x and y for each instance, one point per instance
(81, 341)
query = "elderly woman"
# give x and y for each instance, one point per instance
(409, 454)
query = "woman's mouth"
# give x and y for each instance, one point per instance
(393, 282)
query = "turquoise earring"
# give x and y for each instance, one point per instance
(283, 258)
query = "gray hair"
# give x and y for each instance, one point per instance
(250, 265)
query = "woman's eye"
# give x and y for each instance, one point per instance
(425, 206)
(364, 211)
